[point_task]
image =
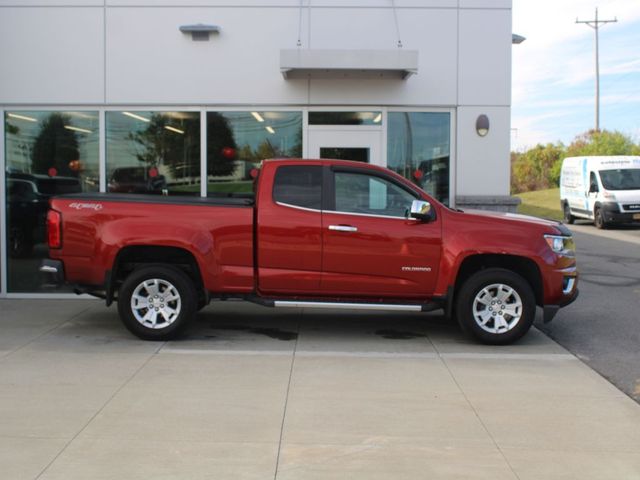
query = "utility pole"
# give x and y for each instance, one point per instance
(595, 24)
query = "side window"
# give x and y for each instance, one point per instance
(299, 185)
(593, 182)
(362, 193)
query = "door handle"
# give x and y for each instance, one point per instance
(343, 228)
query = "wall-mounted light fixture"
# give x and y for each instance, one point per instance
(199, 31)
(482, 125)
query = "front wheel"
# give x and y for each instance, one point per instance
(496, 306)
(156, 302)
(598, 219)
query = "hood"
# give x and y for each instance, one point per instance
(626, 196)
(518, 218)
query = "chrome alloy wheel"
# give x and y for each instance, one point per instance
(155, 303)
(497, 308)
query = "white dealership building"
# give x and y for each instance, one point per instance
(187, 96)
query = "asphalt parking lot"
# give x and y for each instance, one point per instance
(602, 327)
(254, 393)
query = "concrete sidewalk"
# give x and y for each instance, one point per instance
(253, 393)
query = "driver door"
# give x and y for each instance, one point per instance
(370, 248)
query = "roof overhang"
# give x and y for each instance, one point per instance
(306, 63)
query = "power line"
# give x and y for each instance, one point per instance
(595, 24)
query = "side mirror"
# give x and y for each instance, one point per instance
(593, 188)
(421, 210)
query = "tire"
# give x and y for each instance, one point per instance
(477, 316)
(20, 243)
(171, 294)
(598, 219)
(568, 218)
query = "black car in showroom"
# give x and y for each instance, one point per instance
(27, 204)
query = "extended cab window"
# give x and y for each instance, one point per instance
(299, 185)
(362, 193)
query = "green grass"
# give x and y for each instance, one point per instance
(542, 203)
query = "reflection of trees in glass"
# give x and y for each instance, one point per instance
(418, 149)
(11, 129)
(266, 149)
(342, 118)
(237, 141)
(55, 146)
(178, 150)
(221, 146)
(296, 150)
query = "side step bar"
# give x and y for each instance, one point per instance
(397, 307)
(349, 306)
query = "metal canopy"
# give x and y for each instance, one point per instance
(306, 63)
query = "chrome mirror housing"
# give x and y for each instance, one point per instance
(422, 210)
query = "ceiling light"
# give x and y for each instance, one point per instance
(137, 117)
(173, 129)
(378, 118)
(270, 129)
(21, 117)
(257, 116)
(76, 129)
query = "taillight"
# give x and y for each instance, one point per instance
(54, 229)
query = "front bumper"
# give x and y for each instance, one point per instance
(52, 273)
(611, 213)
(615, 217)
(569, 284)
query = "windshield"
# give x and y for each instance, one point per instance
(621, 179)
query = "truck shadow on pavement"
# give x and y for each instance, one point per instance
(247, 321)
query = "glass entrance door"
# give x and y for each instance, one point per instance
(341, 144)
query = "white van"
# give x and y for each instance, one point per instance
(603, 189)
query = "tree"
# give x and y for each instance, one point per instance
(55, 146)
(602, 142)
(537, 168)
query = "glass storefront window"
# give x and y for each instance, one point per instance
(238, 141)
(345, 118)
(153, 152)
(418, 148)
(47, 153)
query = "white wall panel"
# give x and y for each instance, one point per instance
(284, 3)
(51, 3)
(51, 55)
(432, 32)
(483, 164)
(485, 4)
(150, 61)
(485, 57)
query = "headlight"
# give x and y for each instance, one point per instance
(561, 245)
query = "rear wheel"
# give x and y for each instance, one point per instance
(156, 302)
(568, 218)
(496, 306)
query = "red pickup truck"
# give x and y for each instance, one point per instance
(316, 233)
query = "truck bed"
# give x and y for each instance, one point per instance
(213, 199)
(100, 226)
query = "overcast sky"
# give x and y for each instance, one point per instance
(553, 96)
